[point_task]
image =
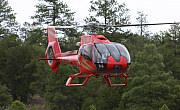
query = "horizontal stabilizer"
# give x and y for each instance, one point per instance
(47, 59)
(72, 60)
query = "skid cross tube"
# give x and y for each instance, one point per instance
(108, 82)
(68, 83)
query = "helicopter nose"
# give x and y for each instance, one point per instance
(119, 67)
(112, 65)
(101, 66)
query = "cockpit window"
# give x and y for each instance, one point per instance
(113, 51)
(86, 52)
(100, 53)
(101, 48)
(124, 52)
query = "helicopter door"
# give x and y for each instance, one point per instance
(86, 52)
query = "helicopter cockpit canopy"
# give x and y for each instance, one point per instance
(101, 52)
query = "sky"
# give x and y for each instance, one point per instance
(158, 11)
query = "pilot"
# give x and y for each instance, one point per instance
(105, 55)
(97, 56)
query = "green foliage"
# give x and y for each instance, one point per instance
(40, 76)
(7, 18)
(68, 44)
(88, 104)
(171, 51)
(17, 105)
(92, 107)
(55, 12)
(5, 98)
(35, 107)
(38, 70)
(18, 62)
(108, 98)
(164, 107)
(152, 86)
(36, 36)
(57, 94)
(110, 11)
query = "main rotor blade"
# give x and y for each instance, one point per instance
(92, 25)
(66, 27)
(128, 25)
(62, 27)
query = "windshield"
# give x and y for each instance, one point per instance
(114, 52)
(101, 52)
(124, 52)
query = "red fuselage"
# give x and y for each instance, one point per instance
(98, 56)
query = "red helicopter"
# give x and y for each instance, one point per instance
(97, 56)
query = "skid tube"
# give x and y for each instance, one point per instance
(106, 78)
(68, 83)
(108, 82)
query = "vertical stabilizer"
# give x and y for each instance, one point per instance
(53, 50)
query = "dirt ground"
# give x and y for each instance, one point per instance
(37, 103)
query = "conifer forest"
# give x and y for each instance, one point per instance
(29, 84)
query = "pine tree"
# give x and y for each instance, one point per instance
(108, 98)
(110, 11)
(59, 96)
(53, 12)
(175, 47)
(152, 86)
(56, 13)
(7, 18)
(141, 19)
(5, 98)
(18, 66)
(168, 45)
(17, 105)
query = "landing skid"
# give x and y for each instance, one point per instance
(108, 82)
(106, 78)
(68, 83)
